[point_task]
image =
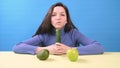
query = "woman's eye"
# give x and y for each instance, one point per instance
(62, 14)
(53, 14)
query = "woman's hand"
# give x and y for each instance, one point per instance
(50, 48)
(62, 48)
(57, 48)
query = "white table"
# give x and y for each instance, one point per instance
(106, 60)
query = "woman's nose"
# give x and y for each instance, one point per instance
(58, 17)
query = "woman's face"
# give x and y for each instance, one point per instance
(59, 17)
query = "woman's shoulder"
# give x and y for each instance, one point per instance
(74, 30)
(42, 35)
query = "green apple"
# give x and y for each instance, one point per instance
(72, 54)
(43, 54)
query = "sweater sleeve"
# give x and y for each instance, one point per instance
(89, 46)
(28, 46)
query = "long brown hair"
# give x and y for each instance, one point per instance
(46, 26)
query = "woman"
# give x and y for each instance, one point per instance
(58, 18)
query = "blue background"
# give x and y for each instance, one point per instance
(97, 19)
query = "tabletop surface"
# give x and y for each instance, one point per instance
(106, 60)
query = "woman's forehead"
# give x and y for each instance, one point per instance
(59, 9)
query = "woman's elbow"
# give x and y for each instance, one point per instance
(99, 49)
(15, 49)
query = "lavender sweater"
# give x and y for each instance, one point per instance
(73, 39)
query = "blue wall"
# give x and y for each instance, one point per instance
(99, 20)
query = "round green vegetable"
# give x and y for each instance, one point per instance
(43, 54)
(72, 54)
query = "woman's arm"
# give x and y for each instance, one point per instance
(29, 46)
(90, 49)
(89, 46)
